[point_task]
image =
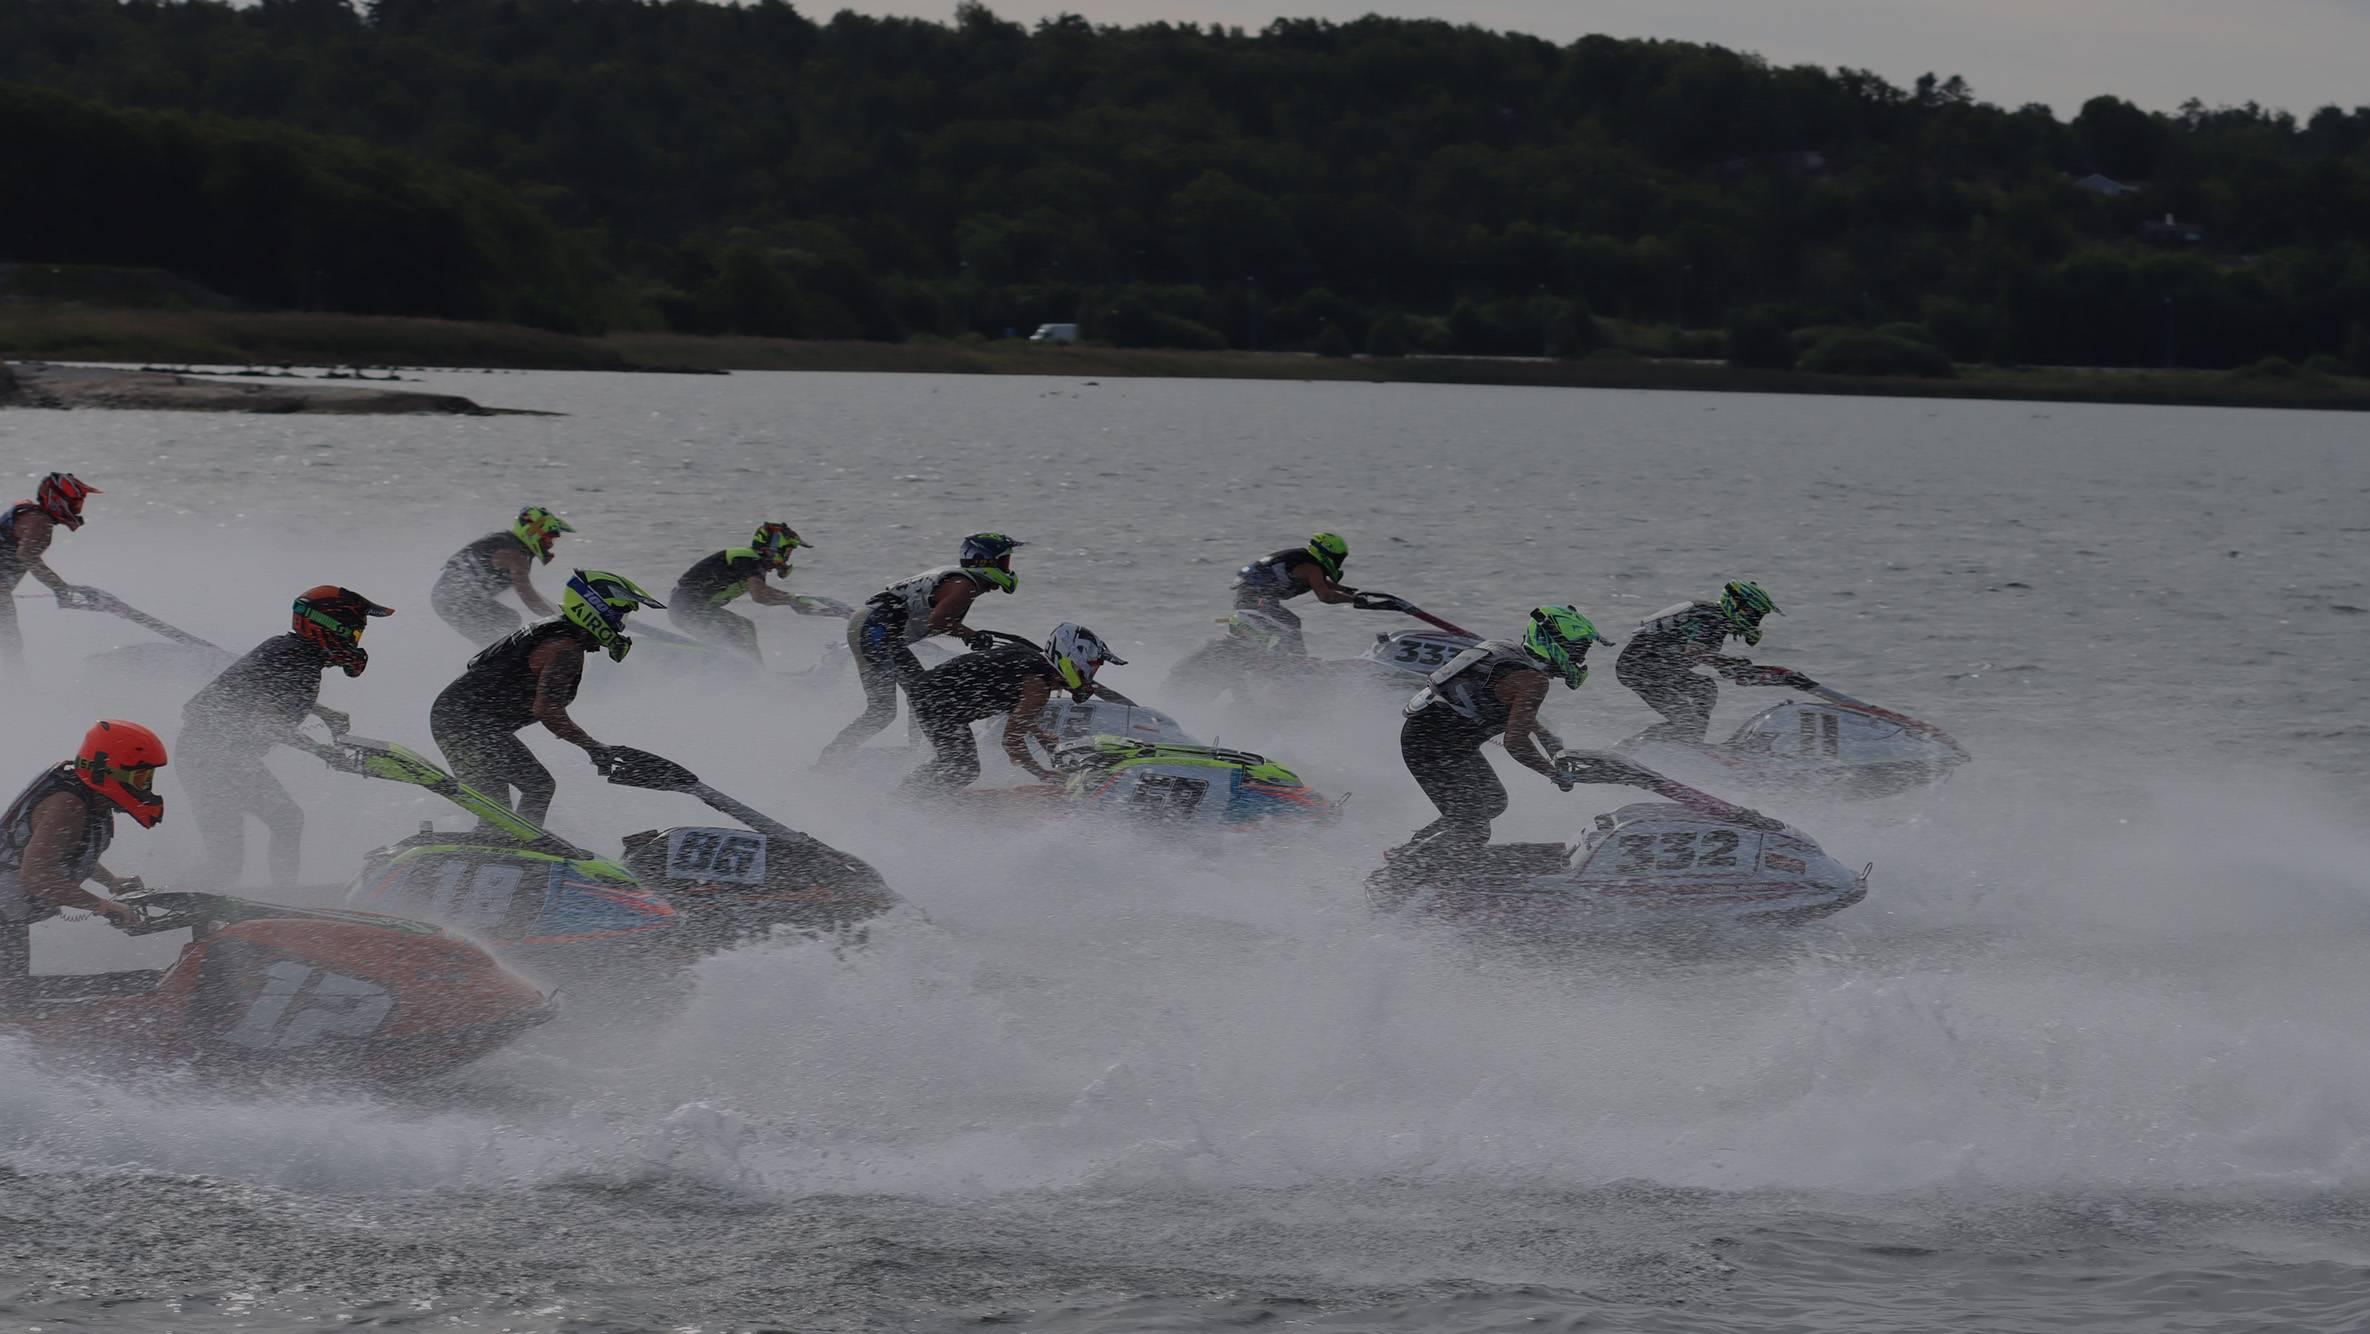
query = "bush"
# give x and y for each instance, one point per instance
(1967, 332)
(2269, 368)
(1857, 352)
(1811, 335)
(1389, 336)
(1904, 329)
(1757, 341)
(1332, 342)
(2357, 348)
(2321, 363)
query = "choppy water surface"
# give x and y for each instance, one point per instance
(2089, 1057)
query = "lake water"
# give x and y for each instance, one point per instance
(2088, 1057)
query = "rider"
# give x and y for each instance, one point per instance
(1267, 583)
(26, 529)
(905, 613)
(1494, 687)
(531, 677)
(697, 606)
(255, 704)
(54, 833)
(1659, 662)
(1015, 680)
(476, 575)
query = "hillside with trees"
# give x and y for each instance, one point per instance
(1384, 185)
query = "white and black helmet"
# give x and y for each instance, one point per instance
(1077, 653)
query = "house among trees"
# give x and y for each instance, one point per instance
(2172, 231)
(2108, 186)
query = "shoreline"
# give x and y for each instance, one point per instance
(34, 384)
(148, 337)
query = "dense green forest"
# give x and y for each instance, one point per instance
(1383, 185)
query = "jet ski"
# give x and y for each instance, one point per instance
(1184, 784)
(1689, 860)
(677, 894)
(1251, 657)
(263, 990)
(1834, 745)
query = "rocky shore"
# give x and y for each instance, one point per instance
(34, 384)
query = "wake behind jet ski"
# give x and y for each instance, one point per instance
(263, 990)
(1689, 860)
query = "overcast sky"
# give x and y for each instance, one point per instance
(2298, 54)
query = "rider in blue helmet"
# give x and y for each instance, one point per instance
(933, 602)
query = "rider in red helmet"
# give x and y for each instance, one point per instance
(254, 705)
(25, 532)
(53, 834)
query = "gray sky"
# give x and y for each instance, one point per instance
(2298, 54)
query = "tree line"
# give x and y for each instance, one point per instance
(1384, 185)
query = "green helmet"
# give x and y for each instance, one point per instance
(1744, 604)
(1559, 638)
(597, 602)
(1330, 551)
(538, 528)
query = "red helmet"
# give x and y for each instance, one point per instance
(119, 761)
(60, 497)
(333, 618)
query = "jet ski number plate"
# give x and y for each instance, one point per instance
(732, 856)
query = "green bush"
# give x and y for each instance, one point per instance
(2269, 368)
(1390, 336)
(1332, 342)
(1912, 332)
(2321, 363)
(1757, 340)
(1863, 352)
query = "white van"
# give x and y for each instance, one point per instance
(1055, 333)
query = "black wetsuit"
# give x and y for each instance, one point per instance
(878, 635)
(1267, 583)
(226, 728)
(17, 910)
(1659, 665)
(948, 699)
(698, 604)
(468, 592)
(476, 720)
(1441, 741)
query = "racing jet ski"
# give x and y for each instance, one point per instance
(1253, 653)
(677, 894)
(1186, 784)
(1835, 745)
(1688, 860)
(267, 990)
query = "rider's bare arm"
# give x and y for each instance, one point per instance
(765, 594)
(954, 599)
(1022, 724)
(1526, 739)
(57, 831)
(558, 666)
(519, 568)
(34, 534)
(1322, 584)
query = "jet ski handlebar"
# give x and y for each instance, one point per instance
(1602, 766)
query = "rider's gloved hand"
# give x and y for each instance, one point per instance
(979, 641)
(604, 758)
(338, 724)
(1378, 602)
(119, 913)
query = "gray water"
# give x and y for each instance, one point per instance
(2088, 1057)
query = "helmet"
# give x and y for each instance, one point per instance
(60, 497)
(1744, 604)
(1559, 638)
(333, 618)
(774, 542)
(1330, 552)
(597, 602)
(991, 555)
(119, 760)
(1078, 653)
(540, 529)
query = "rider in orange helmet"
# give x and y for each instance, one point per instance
(26, 529)
(53, 834)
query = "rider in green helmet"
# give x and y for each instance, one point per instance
(1267, 583)
(1660, 660)
(532, 677)
(700, 605)
(468, 592)
(1494, 688)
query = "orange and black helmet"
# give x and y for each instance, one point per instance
(60, 497)
(333, 618)
(119, 760)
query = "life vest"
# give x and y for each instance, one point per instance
(1678, 627)
(471, 570)
(718, 579)
(499, 687)
(1468, 684)
(1273, 575)
(16, 833)
(910, 600)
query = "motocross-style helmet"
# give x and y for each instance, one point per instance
(1078, 653)
(597, 601)
(1559, 638)
(1744, 604)
(990, 554)
(333, 618)
(1330, 551)
(60, 497)
(774, 542)
(539, 529)
(119, 760)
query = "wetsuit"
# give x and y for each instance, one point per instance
(1441, 740)
(1267, 583)
(878, 635)
(1659, 663)
(698, 604)
(18, 911)
(476, 720)
(226, 728)
(949, 698)
(468, 592)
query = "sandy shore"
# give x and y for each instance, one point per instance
(36, 384)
